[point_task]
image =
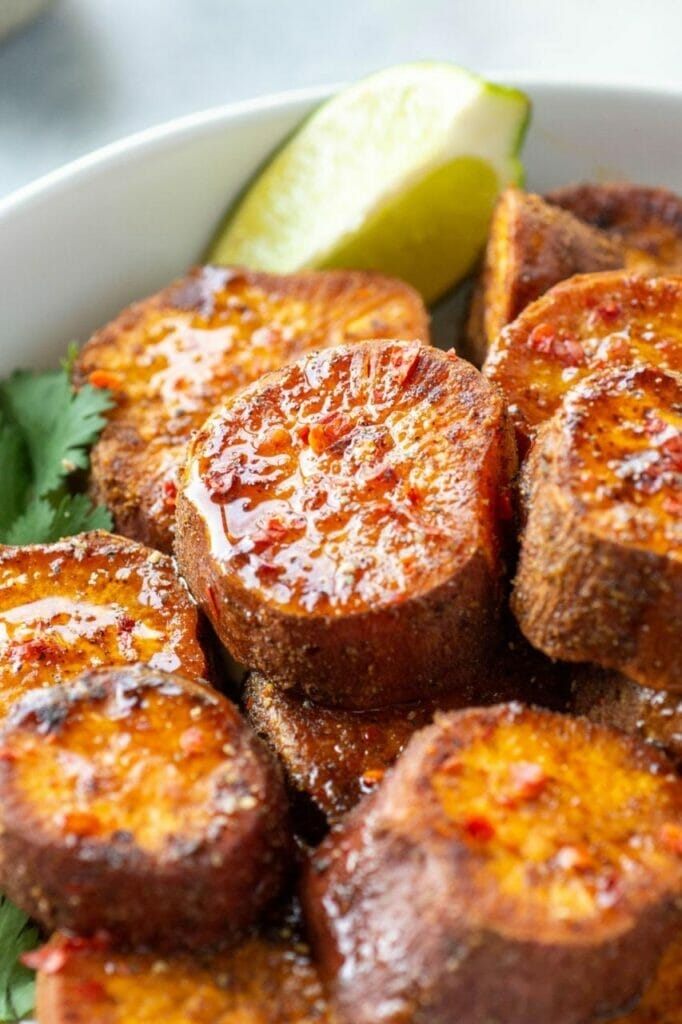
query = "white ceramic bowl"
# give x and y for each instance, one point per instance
(82, 242)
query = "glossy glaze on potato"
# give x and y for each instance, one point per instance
(93, 599)
(140, 804)
(331, 757)
(268, 979)
(588, 323)
(347, 509)
(531, 246)
(171, 358)
(494, 876)
(611, 699)
(600, 571)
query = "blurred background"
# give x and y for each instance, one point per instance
(90, 71)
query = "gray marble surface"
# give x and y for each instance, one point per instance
(91, 71)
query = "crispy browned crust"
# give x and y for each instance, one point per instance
(589, 322)
(268, 979)
(139, 804)
(531, 246)
(434, 496)
(331, 758)
(420, 915)
(646, 220)
(172, 357)
(662, 1001)
(89, 600)
(600, 571)
(611, 699)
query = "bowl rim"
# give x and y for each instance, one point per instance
(205, 120)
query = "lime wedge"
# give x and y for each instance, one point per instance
(397, 173)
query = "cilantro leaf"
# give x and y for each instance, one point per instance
(15, 473)
(17, 984)
(45, 520)
(56, 423)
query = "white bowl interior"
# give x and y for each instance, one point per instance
(84, 242)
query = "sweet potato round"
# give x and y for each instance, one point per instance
(265, 980)
(341, 523)
(531, 246)
(331, 757)
(494, 876)
(141, 804)
(600, 572)
(648, 221)
(90, 600)
(171, 358)
(587, 323)
(611, 699)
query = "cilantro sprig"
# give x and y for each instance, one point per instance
(17, 983)
(46, 429)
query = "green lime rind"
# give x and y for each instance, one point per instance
(397, 173)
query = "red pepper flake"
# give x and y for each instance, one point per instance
(269, 530)
(106, 379)
(6, 754)
(170, 494)
(405, 362)
(303, 433)
(38, 649)
(479, 828)
(413, 494)
(526, 781)
(193, 741)
(215, 608)
(547, 341)
(80, 823)
(327, 431)
(671, 837)
(673, 505)
(46, 959)
(609, 311)
(220, 484)
(269, 570)
(89, 991)
(653, 424)
(672, 449)
(126, 624)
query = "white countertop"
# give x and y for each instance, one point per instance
(91, 71)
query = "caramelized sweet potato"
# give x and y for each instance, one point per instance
(610, 698)
(531, 246)
(94, 599)
(648, 221)
(266, 980)
(587, 323)
(173, 357)
(333, 757)
(494, 876)
(341, 523)
(600, 571)
(139, 803)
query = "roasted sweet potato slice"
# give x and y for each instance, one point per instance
(600, 571)
(494, 876)
(94, 599)
(648, 221)
(333, 757)
(581, 325)
(139, 803)
(173, 357)
(341, 522)
(611, 699)
(531, 246)
(266, 980)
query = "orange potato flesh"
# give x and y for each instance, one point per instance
(587, 323)
(95, 599)
(266, 980)
(600, 572)
(125, 784)
(532, 246)
(171, 358)
(356, 483)
(551, 876)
